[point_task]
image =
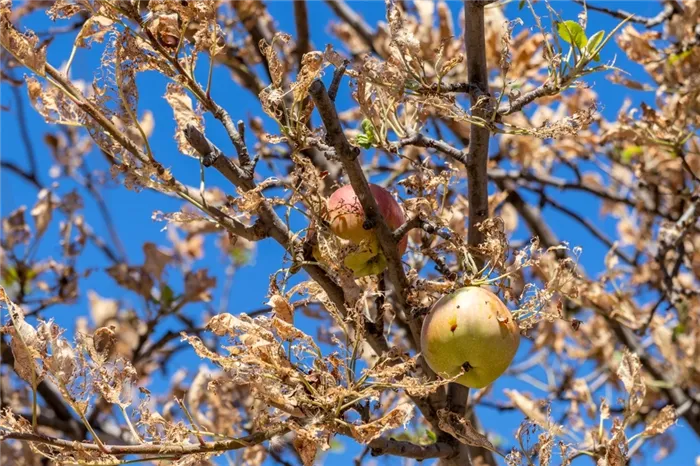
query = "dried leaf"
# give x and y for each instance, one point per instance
(665, 419)
(395, 418)
(630, 373)
(463, 430)
(22, 46)
(281, 308)
(184, 114)
(94, 30)
(24, 342)
(305, 444)
(530, 408)
(42, 211)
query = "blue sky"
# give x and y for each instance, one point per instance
(132, 211)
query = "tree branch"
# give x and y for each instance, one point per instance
(16, 169)
(675, 395)
(301, 21)
(348, 156)
(649, 22)
(477, 161)
(149, 449)
(383, 446)
(421, 140)
(355, 21)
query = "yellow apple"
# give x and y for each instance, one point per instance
(470, 329)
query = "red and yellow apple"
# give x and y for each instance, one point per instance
(347, 217)
(470, 329)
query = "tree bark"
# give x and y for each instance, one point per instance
(477, 159)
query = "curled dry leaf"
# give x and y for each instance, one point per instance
(184, 114)
(530, 408)
(281, 308)
(104, 342)
(94, 30)
(24, 342)
(463, 430)
(42, 211)
(395, 418)
(62, 362)
(24, 47)
(630, 373)
(306, 445)
(665, 419)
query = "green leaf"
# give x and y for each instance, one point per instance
(676, 57)
(521, 4)
(594, 42)
(431, 435)
(11, 276)
(571, 32)
(240, 256)
(363, 141)
(678, 330)
(368, 137)
(166, 295)
(630, 152)
(337, 446)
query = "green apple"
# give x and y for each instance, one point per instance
(470, 329)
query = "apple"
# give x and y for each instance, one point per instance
(347, 218)
(470, 329)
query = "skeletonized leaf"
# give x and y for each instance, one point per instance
(395, 418)
(665, 419)
(94, 30)
(63, 360)
(22, 46)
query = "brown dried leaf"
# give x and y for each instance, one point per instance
(198, 285)
(184, 113)
(395, 418)
(22, 46)
(42, 211)
(281, 308)
(530, 408)
(62, 362)
(665, 419)
(630, 373)
(305, 444)
(463, 430)
(94, 30)
(24, 342)
(15, 229)
(276, 66)
(101, 310)
(310, 68)
(155, 260)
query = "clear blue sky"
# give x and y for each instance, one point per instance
(132, 212)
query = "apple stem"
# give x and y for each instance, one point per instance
(467, 367)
